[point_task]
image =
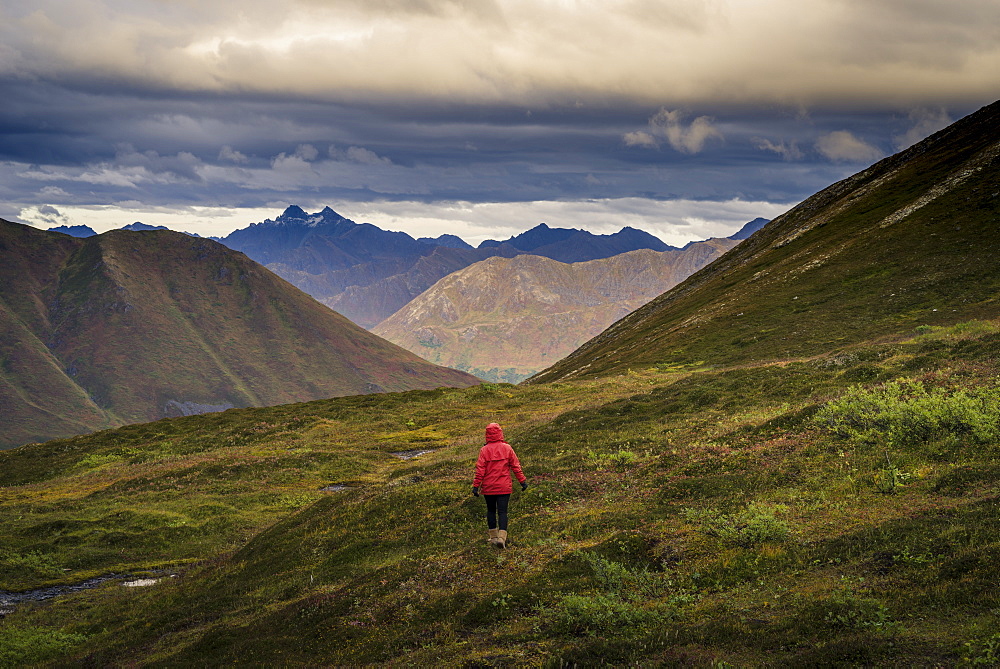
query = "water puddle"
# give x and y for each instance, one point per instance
(409, 455)
(336, 487)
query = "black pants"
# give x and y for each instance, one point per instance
(496, 505)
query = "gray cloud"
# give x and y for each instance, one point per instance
(690, 139)
(915, 52)
(669, 125)
(50, 216)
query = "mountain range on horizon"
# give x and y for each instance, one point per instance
(367, 273)
(127, 327)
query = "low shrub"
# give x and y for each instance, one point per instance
(905, 413)
(983, 652)
(756, 524)
(590, 615)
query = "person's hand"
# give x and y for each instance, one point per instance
(524, 485)
(475, 491)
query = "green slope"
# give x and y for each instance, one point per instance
(913, 240)
(132, 326)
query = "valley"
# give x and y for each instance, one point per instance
(790, 458)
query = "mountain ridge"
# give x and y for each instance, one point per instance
(367, 273)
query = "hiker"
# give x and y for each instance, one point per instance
(496, 461)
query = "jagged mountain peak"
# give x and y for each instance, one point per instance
(74, 230)
(293, 212)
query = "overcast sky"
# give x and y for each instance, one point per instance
(480, 118)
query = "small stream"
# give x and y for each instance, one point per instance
(10, 600)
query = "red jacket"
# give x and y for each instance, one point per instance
(496, 461)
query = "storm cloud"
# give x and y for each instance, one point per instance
(220, 111)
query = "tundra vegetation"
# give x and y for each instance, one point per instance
(832, 509)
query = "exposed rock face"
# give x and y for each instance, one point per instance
(507, 318)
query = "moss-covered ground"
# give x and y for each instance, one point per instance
(752, 515)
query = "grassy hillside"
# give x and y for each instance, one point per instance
(911, 241)
(504, 319)
(743, 515)
(132, 326)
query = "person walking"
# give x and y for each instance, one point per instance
(496, 461)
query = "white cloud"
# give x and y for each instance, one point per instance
(358, 154)
(788, 151)
(362, 155)
(844, 146)
(306, 152)
(925, 123)
(690, 139)
(53, 193)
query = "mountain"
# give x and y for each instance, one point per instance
(367, 274)
(326, 254)
(911, 241)
(451, 241)
(138, 226)
(126, 327)
(507, 318)
(145, 227)
(750, 228)
(74, 230)
(572, 245)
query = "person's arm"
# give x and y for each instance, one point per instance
(477, 481)
(515, 466)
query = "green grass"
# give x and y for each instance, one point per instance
(675, 516)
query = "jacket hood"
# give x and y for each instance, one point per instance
(493, 433)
